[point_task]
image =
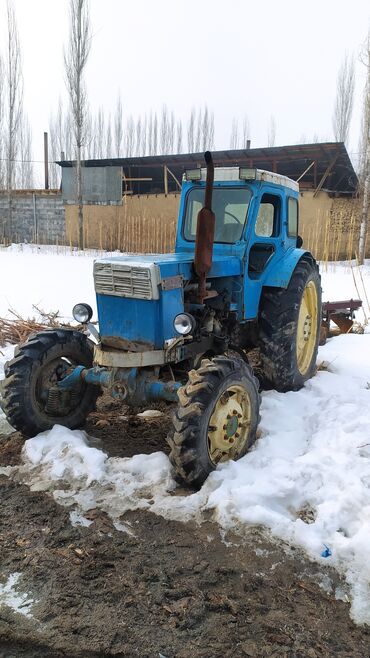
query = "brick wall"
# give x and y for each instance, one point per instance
(40, 212)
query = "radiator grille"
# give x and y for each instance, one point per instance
(125, 281)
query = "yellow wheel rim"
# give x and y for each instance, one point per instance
(229, 425)
(307, 328)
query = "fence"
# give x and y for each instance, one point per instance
(329, 226)
(141, 224)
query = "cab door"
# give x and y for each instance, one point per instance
(265, 246)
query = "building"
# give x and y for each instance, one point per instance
(132, 203)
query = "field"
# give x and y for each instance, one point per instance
(101, 553)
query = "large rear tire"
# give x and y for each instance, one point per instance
(289, 331)
(37, 366)
(216, 419)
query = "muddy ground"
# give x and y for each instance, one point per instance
(173, 590)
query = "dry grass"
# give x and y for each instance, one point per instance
(16, 330)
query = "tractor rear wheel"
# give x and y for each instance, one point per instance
(289, 329)
(30, 398)
(216, 419)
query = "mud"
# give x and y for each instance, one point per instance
(170, 589)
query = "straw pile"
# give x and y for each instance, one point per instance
(16, 330)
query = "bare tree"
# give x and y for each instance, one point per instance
(271, 132)
(164, 131)
(99, 137)
(344, 99)
(118, 128)
(365, 156)
(155, 134)
(246, 132)
(60, 139)
(2, 172)
(13, 106)
(198, 132)
(68, 136)
(25, 170)
(138, 136)
(205, 129)
(211, 131)
(144, 136)
(191, 132)
(234, 134)
(53, 149)
(150, 134)
(179, 136)
(108, 141)
(75, 59)
(129, 137)
(171, 133)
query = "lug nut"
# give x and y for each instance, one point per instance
(239, 415)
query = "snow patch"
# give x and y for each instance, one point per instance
(150, 413)
(78, 520)
(17, 601)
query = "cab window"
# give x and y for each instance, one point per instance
(267, 222)
(230, 206)
(292, 217)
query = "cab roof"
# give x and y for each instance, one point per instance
(233, 174)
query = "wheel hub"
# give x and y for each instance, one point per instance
(229, 425)
(307, 328)
(50, 400)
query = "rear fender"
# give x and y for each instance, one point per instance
(280, 275)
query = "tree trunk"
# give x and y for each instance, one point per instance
(79, 201)
(365, 210)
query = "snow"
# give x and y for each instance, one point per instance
(51, 278)
(307, 480)
(347, 281)
(10, 597)
(77, 519)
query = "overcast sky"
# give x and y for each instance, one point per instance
(262, 59)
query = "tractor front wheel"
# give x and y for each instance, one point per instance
(216, 419)
(31, 400)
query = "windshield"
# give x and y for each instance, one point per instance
(230, 206)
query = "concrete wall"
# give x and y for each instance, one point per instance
(40, 212)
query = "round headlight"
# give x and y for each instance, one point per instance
(184, 323)
(82, 313)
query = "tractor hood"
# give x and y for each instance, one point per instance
(143, 274)
(138, 297)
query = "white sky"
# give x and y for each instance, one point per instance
(261, 59)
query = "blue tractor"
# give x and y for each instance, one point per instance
(179, 326)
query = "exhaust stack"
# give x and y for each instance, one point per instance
(205, 233)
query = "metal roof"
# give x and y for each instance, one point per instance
(316, 166)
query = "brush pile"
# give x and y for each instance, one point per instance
(16, 330)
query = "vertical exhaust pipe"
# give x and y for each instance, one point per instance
(205, 233)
